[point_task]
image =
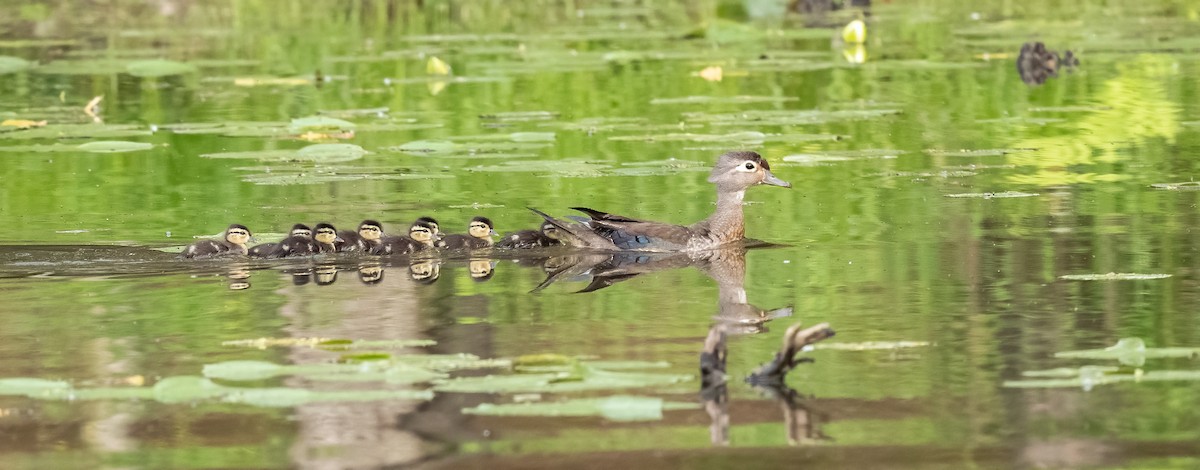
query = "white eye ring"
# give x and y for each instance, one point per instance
(748, 167)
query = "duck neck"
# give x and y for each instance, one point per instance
(727, 222)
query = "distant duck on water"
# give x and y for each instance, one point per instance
(265, 250)
(734, 173)
(366, 238)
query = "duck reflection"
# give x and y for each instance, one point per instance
(735, 316)
(239, 276)
(1036, 64)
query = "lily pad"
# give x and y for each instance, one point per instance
(739, 99)
(1184, 186)
(842, 156)
(317, 153)
(289, 397)
(158, 68)
(1130, 351)
(974, 152)
(469, 150)
(560, 167)
(332, 176)
(615, 408)
(320, 124)
(78, 131)
(1089, 378)
(520, 116)
(1113, 277)
(872, 345)
(583, 377)
(999, 195)
(787, 117)
(9, 64)
(114, 146)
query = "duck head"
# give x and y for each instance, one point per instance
(737, 171)
(424, 231)
(432, 224)
(237, 234)
(481, 227)
(327, 234)
(370, 230)
(301, 230)
(549, 230)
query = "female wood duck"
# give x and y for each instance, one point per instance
(232, 242)
(420, 236)
(368, 235)
(546, 236)
(733, 174)
(326, 238)
(297, 235)
(479, 235)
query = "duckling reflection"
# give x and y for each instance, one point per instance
(239, 276)
(481, 269)
(425, 271)
(370, 273)
(325, 274)
(1036, 64)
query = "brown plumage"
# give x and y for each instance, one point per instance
(546, 236)
(368, 235)
(420, 237)
(733, 174)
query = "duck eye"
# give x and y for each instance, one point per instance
(750, 166)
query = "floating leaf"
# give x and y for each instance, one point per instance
(1066, 372)
(583, 378)
(435, 66)
(35, 388)
(84, 67)
(186, 388)
(616, 408)
(321, 177)
(974, 152)
(318, 153)
(872, 345)
(1113, 277)
(1184, 186)
(740, 99)
(320, 124)
(158, 68)
(9, 64)
(1094, 377)
(520, 116)
(561, 167)
(1130, 351)
(1000, 195)
(842, 156)
(68, 131)
(288, 397)
(760, 118)
(22, 123)
(114, 146)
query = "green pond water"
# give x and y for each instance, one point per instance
(976, 242)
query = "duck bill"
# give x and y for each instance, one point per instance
(772, 180)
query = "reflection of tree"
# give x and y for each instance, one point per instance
(1132, 108)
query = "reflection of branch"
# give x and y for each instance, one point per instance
(802, 420)
(794, 340)
(712, 358)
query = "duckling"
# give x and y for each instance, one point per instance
(421, 236)
(479, 235)
(299, 243)
(368, 235)
(232, 242)
(547, 236)
(734, 173)
(433, 225)
(264, 250)
(326, 238)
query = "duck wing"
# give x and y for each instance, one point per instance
(637, 235)
(578, 234)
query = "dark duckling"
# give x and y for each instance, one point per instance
(433, 225)
(299, 242)
(479, 235)
(232, 242)
(734, 173)
(421, 236)
(326, 238)
(368, 235)
(547, 236)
